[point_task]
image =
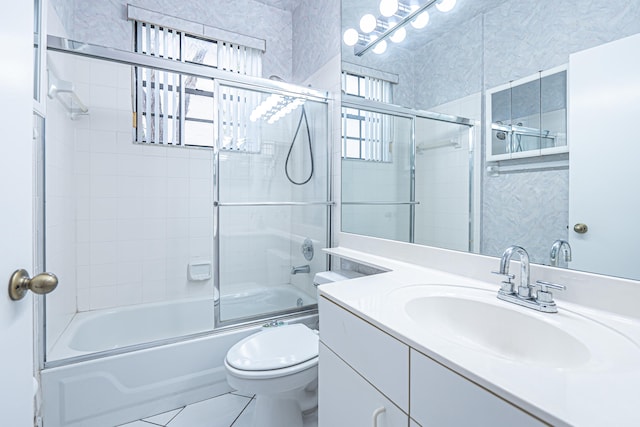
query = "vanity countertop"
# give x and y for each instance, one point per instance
(603, 391)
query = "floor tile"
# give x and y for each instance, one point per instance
(164, 418)
(137, 424)
(245, 418)
(217, 412)
(242, 394)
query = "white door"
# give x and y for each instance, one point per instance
(16, 194)
(604, 170)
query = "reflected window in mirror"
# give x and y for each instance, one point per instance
(366, 135)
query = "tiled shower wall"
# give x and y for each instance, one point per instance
(141, 212)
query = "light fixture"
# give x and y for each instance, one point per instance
(421, 21)
(388, 8)
(391, 24)
(380, 48)
(399, 35)
(368, 23)
(351, 37)
(275, 107)
(445, 5)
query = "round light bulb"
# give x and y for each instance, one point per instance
(421, 21)
(445, 5)
(350, 37)
(388, 7)
(368, 23)
(399, 35)
(380, 47)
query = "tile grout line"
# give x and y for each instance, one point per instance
(243, 409)
(174, 417)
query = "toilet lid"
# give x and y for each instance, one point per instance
(275, 348)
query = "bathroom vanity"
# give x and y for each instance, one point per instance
(417, 346)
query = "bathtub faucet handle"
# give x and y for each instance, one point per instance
(301, 269)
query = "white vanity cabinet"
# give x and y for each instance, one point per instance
(363, 373)
(441, 397)
(347, 399)
(369, 378)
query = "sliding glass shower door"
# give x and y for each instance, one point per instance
(272, 201)
(377, 174)
(156, 240)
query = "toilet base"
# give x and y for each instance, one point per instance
(270, 412)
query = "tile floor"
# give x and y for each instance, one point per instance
(227, 410)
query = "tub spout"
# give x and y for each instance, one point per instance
(301, 269)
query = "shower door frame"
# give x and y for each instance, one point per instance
(352, 101)
(217, 204)
(72, 47)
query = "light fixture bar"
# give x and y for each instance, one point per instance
(360, 50)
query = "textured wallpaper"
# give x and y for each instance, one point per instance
(105, 23)
(316, 36)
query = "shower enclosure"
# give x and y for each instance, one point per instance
(407, 174)
(183, 206)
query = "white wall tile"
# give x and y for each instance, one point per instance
(103, 297)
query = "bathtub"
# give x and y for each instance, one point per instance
(115, 389)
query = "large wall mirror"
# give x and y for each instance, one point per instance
(499, 122)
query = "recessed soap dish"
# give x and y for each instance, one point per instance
(199, 271)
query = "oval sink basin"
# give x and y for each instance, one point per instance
(504, 332)
(476, 319)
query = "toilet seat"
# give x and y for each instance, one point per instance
(273, 352)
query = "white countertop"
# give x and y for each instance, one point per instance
(603, 391)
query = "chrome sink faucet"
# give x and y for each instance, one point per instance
(524, 294)
(523, 290)
(560, 245)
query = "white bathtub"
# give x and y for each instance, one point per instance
(108, 329)
(116, 389)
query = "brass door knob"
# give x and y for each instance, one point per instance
(580, 228)
(20, 283)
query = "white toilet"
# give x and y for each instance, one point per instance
(280, 366)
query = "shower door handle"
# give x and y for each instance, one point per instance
(20, 283)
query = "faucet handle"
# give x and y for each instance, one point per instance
(506, 286)
(507, 275)
(544, 295)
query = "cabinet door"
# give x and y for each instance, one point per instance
(440, 397)
(374, 354)
(347, 399)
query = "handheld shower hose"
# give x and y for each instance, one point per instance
(303, 115)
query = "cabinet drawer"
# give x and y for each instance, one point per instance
(374, 354)
(440, 397)
(347, 399)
